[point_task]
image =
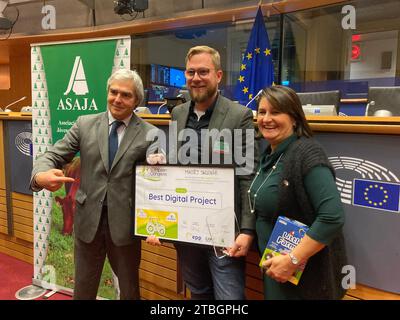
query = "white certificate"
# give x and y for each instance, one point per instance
(186, 203)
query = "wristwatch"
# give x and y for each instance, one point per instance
(294, 260)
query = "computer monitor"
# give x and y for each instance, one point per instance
(159, 92)
(319, 110)
(320, 98)
(177, 78)
(159, 74)
(142, 110)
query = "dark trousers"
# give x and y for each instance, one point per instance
(89, 262)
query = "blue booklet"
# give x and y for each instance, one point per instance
(285, 236)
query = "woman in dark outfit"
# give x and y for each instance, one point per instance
(295, 179)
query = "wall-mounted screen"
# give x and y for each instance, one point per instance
(167, 76)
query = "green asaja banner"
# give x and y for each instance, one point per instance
(76, 75)
(68, 80)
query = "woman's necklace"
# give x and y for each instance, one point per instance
(253, 205)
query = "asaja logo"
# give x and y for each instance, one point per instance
(77, 80)
(78, 85)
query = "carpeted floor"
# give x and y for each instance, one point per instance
(16, 274)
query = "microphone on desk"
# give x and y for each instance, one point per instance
(14, 102)
(159, 108)
(371, 103)
(258, 93)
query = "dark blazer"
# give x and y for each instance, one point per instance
(229, 115)
(89, 136)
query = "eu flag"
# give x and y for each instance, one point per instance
(257, 69)
(376, 194)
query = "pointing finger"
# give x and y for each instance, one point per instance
(64, 179)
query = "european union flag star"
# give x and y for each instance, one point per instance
(267, 52)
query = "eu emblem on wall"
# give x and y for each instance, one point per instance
(376, 194)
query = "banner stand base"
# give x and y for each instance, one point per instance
(30, 292)
(49, 294)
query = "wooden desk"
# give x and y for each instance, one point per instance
(378, 125)
(3, 199)
(16, 209)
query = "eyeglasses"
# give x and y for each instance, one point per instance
(202, 73)
(124, 94)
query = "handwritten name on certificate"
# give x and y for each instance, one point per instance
(186, 203)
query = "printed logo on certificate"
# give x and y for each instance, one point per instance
(186, 203)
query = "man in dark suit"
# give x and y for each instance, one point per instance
(110, 143)
(212, 273)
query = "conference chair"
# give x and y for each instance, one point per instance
(383, 101)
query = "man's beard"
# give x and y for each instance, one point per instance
(202, 96)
